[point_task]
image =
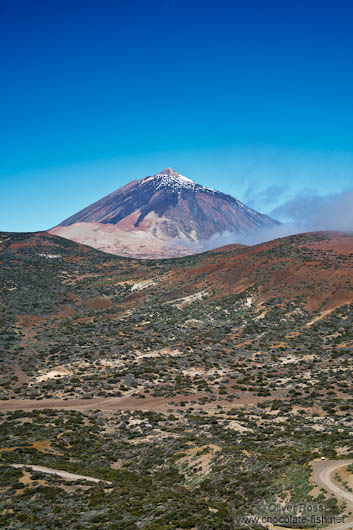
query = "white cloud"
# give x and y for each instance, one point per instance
(304, 213)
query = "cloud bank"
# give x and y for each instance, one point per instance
(303, 213)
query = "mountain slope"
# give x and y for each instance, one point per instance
(46, 282)
(164, 215)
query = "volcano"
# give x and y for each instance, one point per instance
(160, 216)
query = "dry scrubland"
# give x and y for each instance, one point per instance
(195, 388)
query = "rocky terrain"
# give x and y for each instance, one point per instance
(165, 215)
(198, 390)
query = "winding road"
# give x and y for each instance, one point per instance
(323, 473)
(323, 470)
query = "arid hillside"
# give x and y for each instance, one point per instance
(178, 383)
(62, 301)
(313, 268)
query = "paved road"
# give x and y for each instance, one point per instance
(323, 473)
(63, 474)
(323, 470)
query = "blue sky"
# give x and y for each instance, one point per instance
(252, 98)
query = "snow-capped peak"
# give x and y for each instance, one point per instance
(178, 182)
(169, 177)
(169, 172)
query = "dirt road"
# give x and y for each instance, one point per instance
(63, 474)
(124, 403)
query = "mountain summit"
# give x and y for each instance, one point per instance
(163, 215)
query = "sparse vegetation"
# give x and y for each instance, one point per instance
(208, 395)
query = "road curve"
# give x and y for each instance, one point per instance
(323, 473)
(63, 474)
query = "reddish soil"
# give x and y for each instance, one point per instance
(100, 302)
(277, 267)
(230, 248)
(129, 403)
